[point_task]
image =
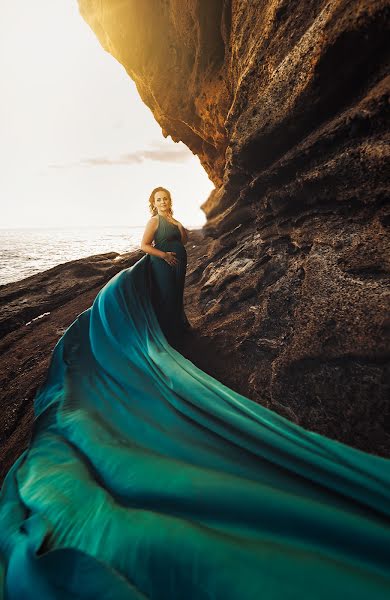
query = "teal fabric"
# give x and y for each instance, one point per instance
(147, 478)
(167, 281)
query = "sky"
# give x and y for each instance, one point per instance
(77, 144)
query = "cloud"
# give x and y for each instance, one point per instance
(160, 153)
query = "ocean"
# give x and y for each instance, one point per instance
(24, 252)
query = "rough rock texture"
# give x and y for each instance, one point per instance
(286, 104)
(27, 299)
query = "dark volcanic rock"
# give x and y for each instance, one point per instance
(35, 296)
(286, 104)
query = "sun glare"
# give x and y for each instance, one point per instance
(79, 147)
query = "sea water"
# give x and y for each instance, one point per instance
(26, 251)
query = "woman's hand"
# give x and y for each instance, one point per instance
(170, 258)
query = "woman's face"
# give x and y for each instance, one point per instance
(161, 201)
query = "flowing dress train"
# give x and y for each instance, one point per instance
(146, 477)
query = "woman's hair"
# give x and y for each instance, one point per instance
(152, 208)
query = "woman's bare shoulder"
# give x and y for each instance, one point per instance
(153, 220)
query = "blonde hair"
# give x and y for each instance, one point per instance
(152, 208)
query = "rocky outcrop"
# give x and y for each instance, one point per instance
(23, 302)
(285, 103)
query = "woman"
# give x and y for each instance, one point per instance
(168, 258)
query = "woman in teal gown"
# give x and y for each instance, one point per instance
(168, 264)
(146, 477)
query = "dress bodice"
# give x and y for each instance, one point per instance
(166, 231)
(167, 281)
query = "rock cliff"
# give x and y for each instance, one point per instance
(285, 103)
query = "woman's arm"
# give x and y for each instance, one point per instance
(184, 233)
(147, 239)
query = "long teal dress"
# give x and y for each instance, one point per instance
(147, 478)
(167, 282)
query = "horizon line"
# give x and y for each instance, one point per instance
(2, 228)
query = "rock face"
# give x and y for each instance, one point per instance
(285, 103)
(26, 300)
